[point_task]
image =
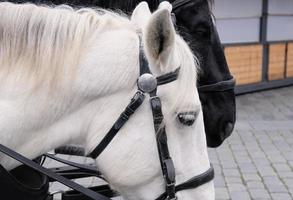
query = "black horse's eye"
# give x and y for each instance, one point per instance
(187, 118)
(201, 31)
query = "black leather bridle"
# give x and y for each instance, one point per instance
(147, 83)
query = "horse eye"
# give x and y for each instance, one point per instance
(187, 118)
(201, 31)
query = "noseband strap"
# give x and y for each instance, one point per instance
(194, 182)
(218, 87)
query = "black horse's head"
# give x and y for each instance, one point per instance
(216, 86)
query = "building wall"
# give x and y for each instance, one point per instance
(238, 20)
(253, 57)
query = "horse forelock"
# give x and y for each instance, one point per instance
(189, 67)
(44, 44)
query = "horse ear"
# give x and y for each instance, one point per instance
(141, 15)
(159, 38)
(165, 5)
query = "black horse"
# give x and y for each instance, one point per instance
(194, 21)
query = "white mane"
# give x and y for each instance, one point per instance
(41, 42)
(189, 67)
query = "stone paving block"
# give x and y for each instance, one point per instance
(230, 180)
(229, 165)
(272, 180)
(251, 177)
(240, 195)
(265, 171)
(277, 158)
(243, 125)
(233, 187)
(288, 155)
(219, 181)
(283, 175)
(276, 188)
(281, 196)
(259, 194)
(248, 168)
(282, 167)
(222, 193)
(231, 173)
(262, 161)
(291, 163)
(255, 185)
(243, 159)
(288, 182)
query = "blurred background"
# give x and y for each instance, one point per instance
(258, 39)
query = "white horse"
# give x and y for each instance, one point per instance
(65, 76)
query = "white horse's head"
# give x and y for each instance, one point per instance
(131, 161)
(91, 97)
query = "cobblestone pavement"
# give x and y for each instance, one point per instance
(256, 161)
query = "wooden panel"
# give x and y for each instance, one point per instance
(290, 60)
(277, 61)
(245, 63)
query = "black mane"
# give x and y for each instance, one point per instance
(126, 5)
(129, 5)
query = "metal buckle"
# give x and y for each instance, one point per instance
(175, 198)
(147, 83)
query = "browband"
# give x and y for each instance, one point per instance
(169, 77)
(177, 4)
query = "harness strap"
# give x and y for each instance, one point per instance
(135, 102)
(194, 182)
(86, 168)
(91, 194)
(169, 77)
(166, 161)
(177, 4)
(218, 87)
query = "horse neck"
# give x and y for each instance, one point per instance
(35, 123)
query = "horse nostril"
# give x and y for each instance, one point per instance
(228, 128)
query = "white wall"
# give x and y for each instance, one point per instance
(239, 20)
(280, 20)
(238, 30)
(237, 8)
